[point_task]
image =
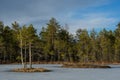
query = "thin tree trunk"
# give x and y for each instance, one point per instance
(25, 56)
(21, 52)
(4, 56)
(30, 55)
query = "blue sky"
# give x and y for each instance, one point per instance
(84, 14)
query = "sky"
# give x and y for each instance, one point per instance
(77, 14)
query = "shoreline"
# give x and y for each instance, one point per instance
(97, 63)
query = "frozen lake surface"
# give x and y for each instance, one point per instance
(59, 73)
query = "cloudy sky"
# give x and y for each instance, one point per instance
(85, 14)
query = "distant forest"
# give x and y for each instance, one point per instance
(55, 44)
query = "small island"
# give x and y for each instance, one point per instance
(31, 70)
(84, 65)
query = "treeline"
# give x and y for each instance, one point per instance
(55, 43)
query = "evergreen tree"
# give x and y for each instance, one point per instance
(117, 43)
(83, 45)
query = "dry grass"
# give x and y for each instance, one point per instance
(31, 70)
(76, 65)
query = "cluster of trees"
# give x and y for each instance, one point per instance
(55, 43)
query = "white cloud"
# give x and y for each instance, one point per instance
(38, 12)
(90, 21)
